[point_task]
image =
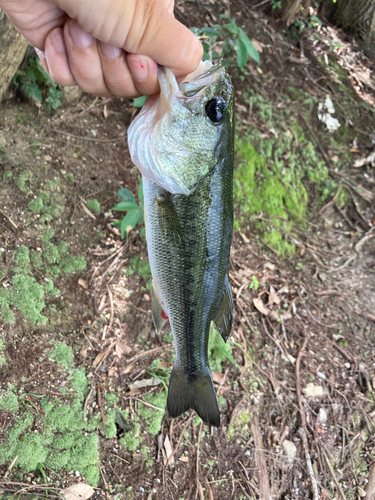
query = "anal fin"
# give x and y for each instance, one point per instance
(224, 317)
(158, 314)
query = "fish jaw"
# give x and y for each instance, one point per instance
(172, 141)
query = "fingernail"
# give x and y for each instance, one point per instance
(110, 50)
(81, 38)
(42, 57)
(58, 42)
(138, 68)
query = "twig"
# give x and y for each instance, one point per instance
(105, 356)
(370, 488)
(147, 353)
(114, 472)
(303, 424)
(197, 461)
(112, 308)
(91, 139)
(10, 467)
(100, 405)
(87, 402)
(179, 439)
(9, 219)
(264, 482)
(333, 475)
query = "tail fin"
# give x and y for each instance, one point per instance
(197, 393)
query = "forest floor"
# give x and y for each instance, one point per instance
(83, 376)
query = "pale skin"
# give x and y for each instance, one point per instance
(106, 46)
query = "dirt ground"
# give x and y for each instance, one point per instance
(297, 388)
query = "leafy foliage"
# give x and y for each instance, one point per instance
(228, 41)
(135, 212)
(38, 86)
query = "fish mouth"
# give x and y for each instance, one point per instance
(194, 85)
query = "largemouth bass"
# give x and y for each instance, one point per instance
(183, 144)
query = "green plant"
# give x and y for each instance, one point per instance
(135, 212)
(254, 283)
(234, 43)
(36, 83)
(276, 4)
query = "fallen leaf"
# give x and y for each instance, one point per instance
(83, 283)
(146, 382)
(258, 45)
(217, 377)
(244, 237)
(79, 491)
(168, 451)
(259, 304)
(313, 391)
(165, 364)
(105, 112)
(274, 316)
(128, 369)
(122, 348)
(273, 298)
(270, 266)
(99, 357)
(184, 459)
(286, 315)
(83, 351)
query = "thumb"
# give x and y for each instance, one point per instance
(159, 35)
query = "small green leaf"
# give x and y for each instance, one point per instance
(116, 223)
(141, 216)
(242, 55)
(126, 195)
(124, 206)
(210, 31)
(140, 191)
(251, 50)
(139, 101)
(129, 222)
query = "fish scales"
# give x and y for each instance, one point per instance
(189, 238)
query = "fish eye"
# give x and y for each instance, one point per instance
(215, 109)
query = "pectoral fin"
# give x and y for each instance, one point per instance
(224, 317)
(158, 314)
(170, 223)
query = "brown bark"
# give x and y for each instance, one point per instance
(292, 8)
(13, 47)
(356, 17)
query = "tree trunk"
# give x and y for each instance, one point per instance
(357, 17)
(13, 47)
(291, 9)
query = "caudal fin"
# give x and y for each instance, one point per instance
(197, 393)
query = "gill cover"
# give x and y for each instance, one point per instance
(175, 139)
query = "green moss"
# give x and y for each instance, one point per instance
(7, 175)
(93, 205)
(6, 314)
(2, 352)
(22, 259)
(9, 401)
(70, 177)
(62, 247)
(273, 173)
(153, 417)
(71, 263)
(27, 296)
(62, 354)
(48, 203)
(50, 253)
(79, 382)
(141, 267)
(132, 438)
(63, 440)
(24, 181)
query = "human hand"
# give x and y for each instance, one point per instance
(135, 36)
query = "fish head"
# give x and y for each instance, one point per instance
(181, 135)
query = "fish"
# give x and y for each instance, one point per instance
(183, 144)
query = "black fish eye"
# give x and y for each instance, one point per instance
(215, 109)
